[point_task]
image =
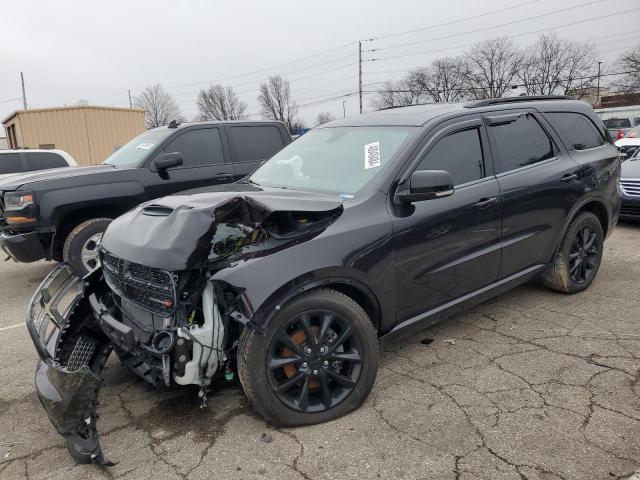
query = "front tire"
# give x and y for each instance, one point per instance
(578, 259)
(317, 360)
(81, 245)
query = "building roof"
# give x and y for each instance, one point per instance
(70, 107)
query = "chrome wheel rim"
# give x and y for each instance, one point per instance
(89, 253)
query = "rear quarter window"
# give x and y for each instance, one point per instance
(255, 143)
(10, 163)
(576, 129)
(521, 143)
(44, 160)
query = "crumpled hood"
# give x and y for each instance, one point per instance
(175, 233)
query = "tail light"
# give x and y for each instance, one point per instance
(620, 134)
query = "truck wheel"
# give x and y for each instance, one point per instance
(317, 361)
(81, 246)
(577, 261)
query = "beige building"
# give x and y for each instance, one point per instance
(90, 134)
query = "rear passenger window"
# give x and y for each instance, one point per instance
(255, 143)
(576, 129)
(10, 163)
(43, 160)
(460, 154)
(198, 147)
(520, 143)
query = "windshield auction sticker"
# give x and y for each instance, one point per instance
(145, 146)
(371, 155)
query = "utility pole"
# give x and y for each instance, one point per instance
(360, 73)
(344, 111)
(130, 105)
(24, 96)
(598, 87)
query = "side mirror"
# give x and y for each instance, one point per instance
(167, 160)
(425, 185)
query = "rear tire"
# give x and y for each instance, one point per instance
(578, 259)
(336, 366)
(81, 245)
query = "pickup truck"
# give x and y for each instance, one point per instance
(60, 214)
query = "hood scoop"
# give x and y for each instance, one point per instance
(157, 210)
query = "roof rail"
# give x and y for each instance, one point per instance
(524, 98)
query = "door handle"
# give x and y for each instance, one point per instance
(486, 202)
(569, 177)
(224, 176)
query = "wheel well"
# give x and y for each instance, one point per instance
(600, 211)
(72, 220)
(368, 304)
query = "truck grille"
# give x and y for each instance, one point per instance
(631, 187)
(149, 288)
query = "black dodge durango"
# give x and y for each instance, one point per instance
(365, 228)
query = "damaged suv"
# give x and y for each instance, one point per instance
(367, 227)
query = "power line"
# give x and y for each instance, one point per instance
(506, 36)
(463, 89)
(266, 69)
(11, 100)
(484, 29)
(406, 32)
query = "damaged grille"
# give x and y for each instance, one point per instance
(141, 318)
(149, 288)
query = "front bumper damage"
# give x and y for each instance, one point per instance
(155, 301)
(72, 356)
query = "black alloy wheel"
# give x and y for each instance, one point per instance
(314, 361)
(584, 255)
(577, 260)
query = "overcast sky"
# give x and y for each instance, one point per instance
(73, 50)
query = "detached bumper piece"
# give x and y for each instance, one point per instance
(23, 247)
(72, 353)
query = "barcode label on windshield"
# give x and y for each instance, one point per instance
(371, 155)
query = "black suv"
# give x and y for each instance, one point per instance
(61, 214)
(365, 227)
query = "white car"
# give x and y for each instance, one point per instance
(628, 145)
(18, 161)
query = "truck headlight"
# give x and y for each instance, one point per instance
(15, 201)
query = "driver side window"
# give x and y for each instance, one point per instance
(458, 153)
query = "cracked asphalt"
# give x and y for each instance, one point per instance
(532, 385)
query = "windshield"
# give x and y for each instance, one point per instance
(137, 150)
(340, 159)
(617, 123)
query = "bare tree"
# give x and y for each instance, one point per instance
(324, 117)
(442, 81)
(555, 65)
(220, 103)
(160, 107)
(275, 100)
(629, 62)
(493, 66)
(398, 93)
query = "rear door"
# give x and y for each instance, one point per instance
(448, 247)
(251, 145)
(205, 162)
(539, 181)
